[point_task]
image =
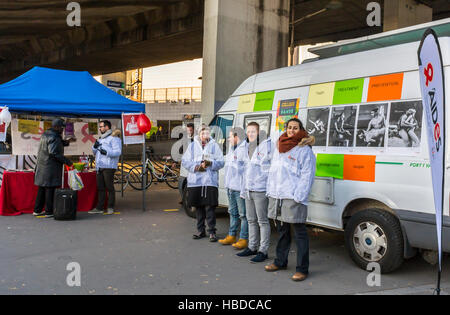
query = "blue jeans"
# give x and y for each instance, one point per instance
(236, 210)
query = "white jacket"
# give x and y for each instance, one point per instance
(234, 170)
(257, 168)
(292, 174)
(194, 156)
(112, 144)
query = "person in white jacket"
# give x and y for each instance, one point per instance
(234, 172)
(256, 153)
(203, 160)
(290, 180)
(107, 151)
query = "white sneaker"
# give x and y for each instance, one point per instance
(110, 211)
(95, 211)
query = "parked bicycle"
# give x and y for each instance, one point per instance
(155, 173)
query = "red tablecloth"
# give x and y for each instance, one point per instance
(18, 193)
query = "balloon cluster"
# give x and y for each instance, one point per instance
(5, 116)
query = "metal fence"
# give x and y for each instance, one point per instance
(173, 95)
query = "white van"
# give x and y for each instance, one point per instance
(363, 105)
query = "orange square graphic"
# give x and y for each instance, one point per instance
(385, 87)
(359, 168)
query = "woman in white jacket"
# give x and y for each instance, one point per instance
(290, 180)
(203, 159)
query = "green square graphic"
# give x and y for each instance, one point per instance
(264, 101)
(330, 165)
(348, 92)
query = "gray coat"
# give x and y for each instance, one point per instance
(50, 160)
(289, 212)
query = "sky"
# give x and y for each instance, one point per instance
(180, 74)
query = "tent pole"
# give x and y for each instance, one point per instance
(121, 171)
(121, 160)
(144, 176)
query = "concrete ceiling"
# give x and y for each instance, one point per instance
(118, 35)
(347, 22)
(115, 35)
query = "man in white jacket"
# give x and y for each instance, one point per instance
(234, 172)
(107, 151)
(256, 154)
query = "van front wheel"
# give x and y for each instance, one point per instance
(375, 236)
(190, 211)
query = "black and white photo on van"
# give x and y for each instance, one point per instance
(342, 126)
(405, 124)
(372, 125)
(317, 124)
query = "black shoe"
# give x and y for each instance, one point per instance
(247, 252)
(260, 257)
(199, 236)
(49, 215)
(213, 238)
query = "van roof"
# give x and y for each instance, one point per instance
(385, 39)
(395, 58)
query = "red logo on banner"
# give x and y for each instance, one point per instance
(429, 73)
(437, 132)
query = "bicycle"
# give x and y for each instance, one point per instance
(169, 175)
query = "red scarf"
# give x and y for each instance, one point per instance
(286, 144)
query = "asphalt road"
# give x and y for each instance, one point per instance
(153, 253)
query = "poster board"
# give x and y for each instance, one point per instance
(27, 143)
(131, 133)
(287, 109)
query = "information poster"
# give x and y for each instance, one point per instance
(29, 126)
(26, 143)
(264, 101)
(321, 94)
(330, 165)
(287, 109)
(385, 87)
(359, 168)
(131, 133)
(246, 103)
(348, 92)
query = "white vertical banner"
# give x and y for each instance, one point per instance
(431, 73)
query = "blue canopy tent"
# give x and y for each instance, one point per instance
(51, 92)
(64, 93)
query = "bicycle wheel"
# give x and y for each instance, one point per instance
(171, 179)
(118, 181)
(135, 178)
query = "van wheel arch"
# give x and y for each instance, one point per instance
(362, 204)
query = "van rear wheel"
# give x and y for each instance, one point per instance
(375, 236)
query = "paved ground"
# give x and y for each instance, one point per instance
(153, 253)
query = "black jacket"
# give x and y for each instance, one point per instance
(50, 160)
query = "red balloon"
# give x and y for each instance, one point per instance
(144, 124)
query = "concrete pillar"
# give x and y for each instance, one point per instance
(241, 38)
(404, 13)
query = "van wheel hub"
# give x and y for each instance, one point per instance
(370, 241)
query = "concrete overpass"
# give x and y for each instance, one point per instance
(236, 38)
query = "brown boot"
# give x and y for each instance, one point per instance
(273, 268)
(241, 244)
(228, 240)
(298, 276)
